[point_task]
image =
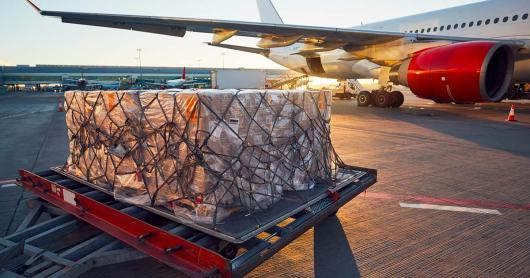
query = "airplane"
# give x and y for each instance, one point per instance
(178, 83)
(175, 83)
(84, 84)
(467, 54)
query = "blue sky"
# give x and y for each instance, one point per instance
(28, 38)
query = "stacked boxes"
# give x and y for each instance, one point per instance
(201, 153)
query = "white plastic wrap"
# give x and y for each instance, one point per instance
(201, 153)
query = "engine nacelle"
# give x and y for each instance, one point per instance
(467, 72)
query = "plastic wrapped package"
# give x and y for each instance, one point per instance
(311, 154)
(101, 136)
(202, 153)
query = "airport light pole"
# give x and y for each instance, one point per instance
(2, 78)
(140, 61)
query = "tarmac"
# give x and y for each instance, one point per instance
(453, 196)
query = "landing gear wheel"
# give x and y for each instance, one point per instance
(364, 99)
(397, 99)
(382, 99)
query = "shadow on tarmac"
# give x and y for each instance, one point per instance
(460, 122)
(333, 255)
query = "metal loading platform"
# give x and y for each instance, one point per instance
(84, 228)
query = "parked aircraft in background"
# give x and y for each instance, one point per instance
(467, 54)
(84, 84)
(177, 83)
(172, 83)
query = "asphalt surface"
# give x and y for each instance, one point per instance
(33, 137)
(453, 197)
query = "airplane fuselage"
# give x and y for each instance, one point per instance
(176, 82)
(507, 19)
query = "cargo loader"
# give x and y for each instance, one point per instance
(208, 193)
(73, 228)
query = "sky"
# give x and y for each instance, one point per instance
(27, 38)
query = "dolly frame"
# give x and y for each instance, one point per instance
(351, 177)
(168, 248)
(184, 254)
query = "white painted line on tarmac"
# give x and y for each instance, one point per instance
(2, 182)
(8, 185)
(450, 208)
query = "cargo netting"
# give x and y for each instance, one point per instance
(201, 154)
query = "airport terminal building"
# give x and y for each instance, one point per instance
(25, 77)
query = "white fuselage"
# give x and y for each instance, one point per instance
(498, 19)
(176, 82)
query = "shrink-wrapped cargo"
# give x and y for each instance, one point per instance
(201, 153)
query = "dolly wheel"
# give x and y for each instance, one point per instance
(230, 251)
(364, 99)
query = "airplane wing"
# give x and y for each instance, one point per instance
(272, 35)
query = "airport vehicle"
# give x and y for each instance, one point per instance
(467, 54)
(89, 228)
(238, 79)
(346, 89)
(45, 86)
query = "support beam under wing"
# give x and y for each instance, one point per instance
(264, 52)
(220, 35)
(271, 41)
(310, 50)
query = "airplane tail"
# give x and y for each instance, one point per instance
(268, 13)
(184, 73)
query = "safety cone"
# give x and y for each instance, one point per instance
(511, 116)
(60, 106)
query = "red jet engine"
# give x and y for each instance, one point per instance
(467, 72)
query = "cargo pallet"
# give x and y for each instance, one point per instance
(88, 228)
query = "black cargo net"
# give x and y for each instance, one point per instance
(206, 154)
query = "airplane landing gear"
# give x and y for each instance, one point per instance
(397, 99)
(382, 98)
(518, 91)
(364, 99)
